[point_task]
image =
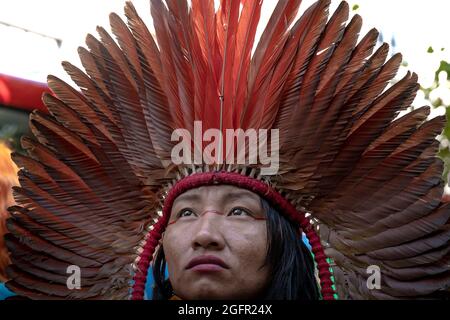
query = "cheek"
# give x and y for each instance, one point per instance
(249, 252)
(250, 248)
(173, 250)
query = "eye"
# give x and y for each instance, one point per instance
(186, 212)
(239, 212)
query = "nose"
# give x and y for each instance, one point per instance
(207, 234)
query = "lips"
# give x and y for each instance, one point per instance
(207, 262)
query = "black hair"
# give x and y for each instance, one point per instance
(291, 263)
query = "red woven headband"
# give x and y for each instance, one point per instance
(230, 178)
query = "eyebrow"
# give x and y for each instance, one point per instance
(231, 196)
(193, 197)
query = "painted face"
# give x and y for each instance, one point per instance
(216, 244)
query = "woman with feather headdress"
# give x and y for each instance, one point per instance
(103, 190)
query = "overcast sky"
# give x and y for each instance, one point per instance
(415, 24)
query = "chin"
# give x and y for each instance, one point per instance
(204, 296)
(208, 292)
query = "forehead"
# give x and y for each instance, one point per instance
(217, 193)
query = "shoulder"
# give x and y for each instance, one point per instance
(4, 292)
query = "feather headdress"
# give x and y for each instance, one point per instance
(98, 184)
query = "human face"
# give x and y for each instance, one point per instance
(216, 244)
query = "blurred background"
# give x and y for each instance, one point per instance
(36, 35)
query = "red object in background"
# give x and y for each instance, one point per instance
(21, 93)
